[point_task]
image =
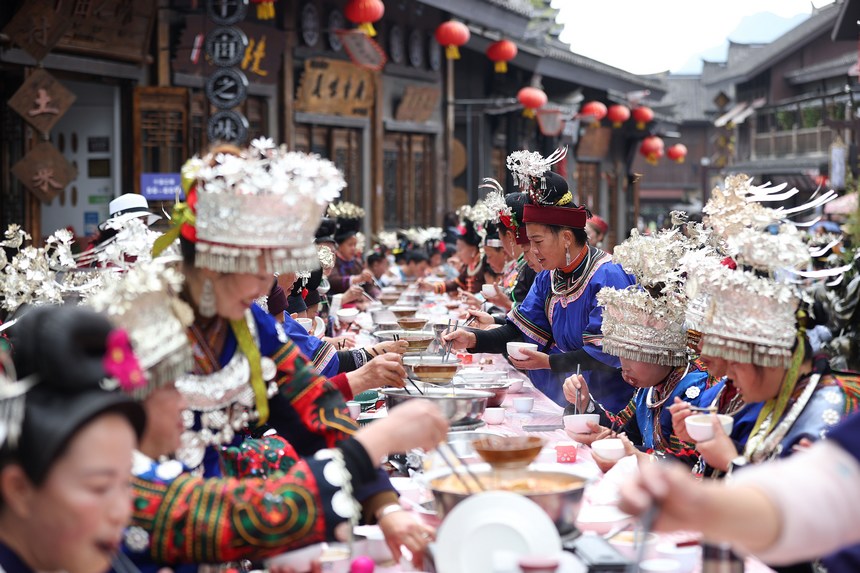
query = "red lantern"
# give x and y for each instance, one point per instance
(364, 13)
(652, 149)
(532, 99)
(677, 153)
(618, 114)
(643, 115)
(501, 53)
(452, 35)
(593, 109)
(265, 9)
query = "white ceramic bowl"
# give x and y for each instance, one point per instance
(524, 404)
(687, 556)
(515, 347)
(299, 560)
(488, 290)
(347, 315)
(516, 384)
(700, 429)
(626, 543)
(611, 449)
(306, 323)
(578, 423)
(494, 415)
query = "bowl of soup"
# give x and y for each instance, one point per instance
(558, 493)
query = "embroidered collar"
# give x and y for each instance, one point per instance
(565, 283)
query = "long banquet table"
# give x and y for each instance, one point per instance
(547, 412)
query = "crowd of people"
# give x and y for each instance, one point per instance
(206, 364)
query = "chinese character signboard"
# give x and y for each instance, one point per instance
(362, 50)
(38, 26)
(335, 87)
(260, 61)
(161, 186)
(418, 104)
(41, 101)
(44, 171)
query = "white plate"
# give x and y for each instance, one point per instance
(485, 522)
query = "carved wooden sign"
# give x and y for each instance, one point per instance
(44, 171)
(38, 26)
(594, 143)
(362, 50)
(335, 87)
(42, 100)
(418, 104)
(112, 29)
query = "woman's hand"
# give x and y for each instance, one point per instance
(500, 299)
(384, 370)
(462, 339)
(571, 385)
(364, 277)
(353, 294)
(469, 299)
(413, 424)
(598, 432)
(403, 528)
(719, 451)
(482, 320)
(681, 411)
(391, 346)
(534, 360)
(340, 342)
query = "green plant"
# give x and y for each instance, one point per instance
(785, 119)
(810, 117)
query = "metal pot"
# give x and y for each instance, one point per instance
(461, 408)
(562, 506)
(498, 389)
(418, 340)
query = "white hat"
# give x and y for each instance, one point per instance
(129, 206)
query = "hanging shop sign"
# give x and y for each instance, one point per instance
(335, 87)
(110, 29)
(226, 12)
(261, 59)
(44, 171)
(41, 101)
(161, 186)
(227, 88)
(362, 49)
(225, 46)
(419, 103)
(39, 25)
(227, 125)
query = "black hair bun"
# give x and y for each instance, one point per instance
(326, 229)
(64, 346)
(556, 189)
(468, 234)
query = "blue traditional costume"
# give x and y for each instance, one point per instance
(560, 310)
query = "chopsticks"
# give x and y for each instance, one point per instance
(454, 471)
(450, 344)
(640, 535)
(576, 406)
(396, 337)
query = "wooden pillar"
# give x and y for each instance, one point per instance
(448, 187)
(32, 204)
(163, 44)
(288, 85)
(377, 136)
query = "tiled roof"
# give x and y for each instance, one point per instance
(820, 21)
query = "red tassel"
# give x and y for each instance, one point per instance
(304, 293)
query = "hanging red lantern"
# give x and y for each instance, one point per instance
(265, 9)
(532, 99)
(652, 149)
(501, 53)
(594, 110)
(364, 13)
(677, 153)
(643, 115)
(452, 35)
(618, 114)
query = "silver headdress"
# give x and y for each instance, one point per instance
(645, 322)
(145, 303)
(13, 395)
(345, 210)
(527, 165)
(32, 275)
(750, 312)
(388, 239)
(258, 211)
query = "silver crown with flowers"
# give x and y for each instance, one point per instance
(258, 212)
(526, 165)
(645, 322)
(750, 312)
(144, 301)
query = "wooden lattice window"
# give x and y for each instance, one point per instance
(160, 131)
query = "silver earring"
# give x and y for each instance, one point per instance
(567, 257)
(207, 308)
